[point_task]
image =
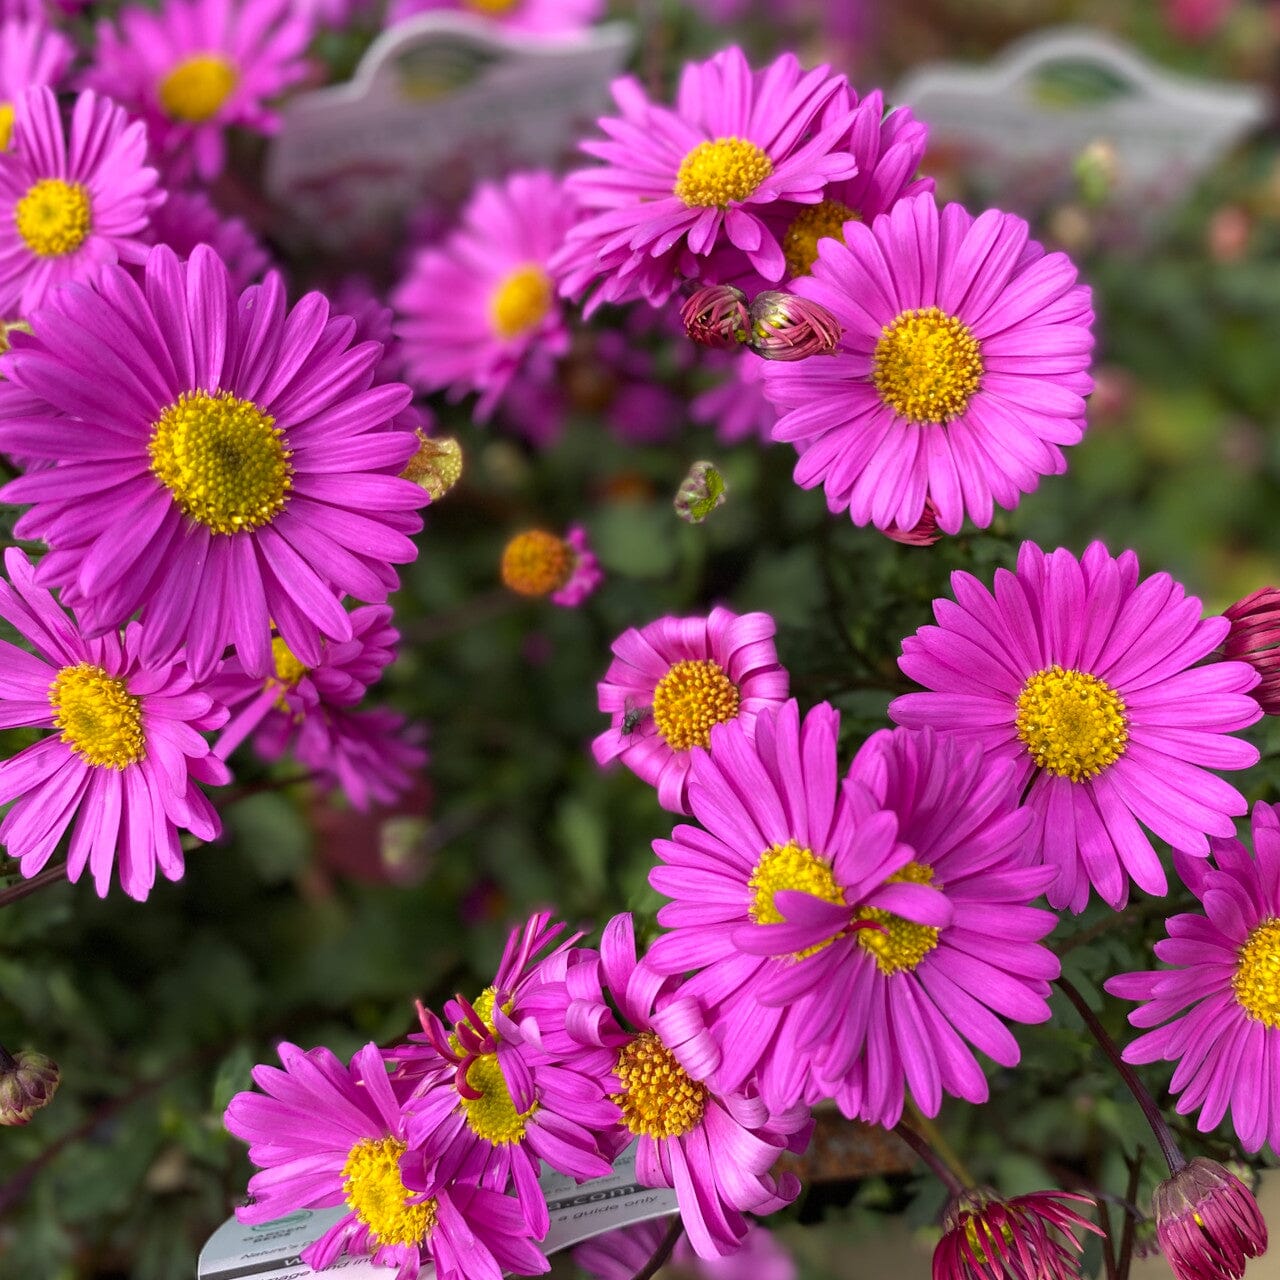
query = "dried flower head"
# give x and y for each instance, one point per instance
(28, 1081)
(1208, 1222)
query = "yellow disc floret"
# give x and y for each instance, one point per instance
(1072, 723)
(377, 1196)
(197, 87)
(1256, 981)
(493, 1115)
(715, 174)
(491, 8)
(520, 301)
(658, 1096)
(101, 721)
(536, 563)
(927, 365)
(899, 945)
(224, 460)
(790, 866)
(6, 124)
(54, 217)
(813, 223)
(692, 697)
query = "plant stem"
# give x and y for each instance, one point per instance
(930, 1157)
(662, 1252)
(1104, 1221)
(24, 887)
(1128, 1234)
(938, 1142)
(1164, 1135)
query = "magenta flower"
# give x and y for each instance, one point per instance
(671, 681)
(482, 308)
(678, 184)
(1207, 1222)
(1220, 1003)
(241, 465)
(68, 207)
(737, 406)
(121, 773)
(528, 17)
(962, 367)
(538, 563)
(1086, 678)
(327, 1134)
(373, 755)
(189, 218)
(196, 67)
(31, 54)
(620, 1254)
(1255, 638)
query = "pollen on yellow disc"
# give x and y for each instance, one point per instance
(520, 301)
(813, 223)
(224, 460)
(1256, 981)
(6, 124)
(658, 1096)
(491, 8)
(790, 866)
(54, 217)
(690, 699)
(197, 87)
(899, 945)
(377, 1196)
(493, 1115)
(715, 174)
(927, 365)
(1073, 724)
(101, 721)
(536, 563)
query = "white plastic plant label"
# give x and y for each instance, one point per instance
(579, 1211)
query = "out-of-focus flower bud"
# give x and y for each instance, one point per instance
(1208, 1222)
(28, 1081)
(1096, 169)
(785, 326)
(1255, 638)
(924, 533)
(700, 492)
(1228, 234)
(437, 466)
(717, 316)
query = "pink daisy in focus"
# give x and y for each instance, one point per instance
(196, 67)
(620, 1254)
(961, 370)
(678, 184)
(1086, 678)
(671, 681)
(481, 308)
(31, 54)
(189, 218)
(528, 17)
(122, 772)
(768, 891)
(68, 207)
(242, 470)
(324, 1135)
(1220, 1003)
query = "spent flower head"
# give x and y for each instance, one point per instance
(1208, 1222)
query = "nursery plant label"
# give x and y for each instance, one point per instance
(579, 1211)
(436, 102)
(1017, 124)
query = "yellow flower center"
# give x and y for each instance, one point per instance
(899, 944)
(101, 721)
(789, 866)
(6, 124)
(714, 174)
(927, 365)
(197, 87)
(289, 668)
(691, 698)
(493, 1115)
(492, 8)
(1072, 722)
(378, 1197)
(436, 466)
(520, 301)
(1256, 980)
(658, 1096)
(224, 460)
(536, 563)
(811, 224)
(53, 217)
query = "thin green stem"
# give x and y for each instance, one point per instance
(938, 1142)
(935, 1162)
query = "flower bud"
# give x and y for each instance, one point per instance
(1255, 638)
(1208, 1222)
(785, 326)
(1096, 168)
(28, 1081)
(700, 493)
(924, 533)
(716, 316)
(437, 465)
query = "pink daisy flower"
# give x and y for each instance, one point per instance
(671, 681)
(619, 1255)
(678, 184)
(31, 54)
(481, 308)
(189, 218)
(537, 563)
(373, 755)
(737, 406)
(68, 207)
(528, 17)
(1216, 1011)
(121, 773)
(196, 67)
(241, 465)
(962, 367)
(768, 890)
(326, 1135)
(1087, 679)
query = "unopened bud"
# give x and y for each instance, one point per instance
(437, 465)
(28, 1081)
(1255, 638)
(1208, 1222)
(785, 326)
(1097, 168)
(717, 316)
(924, 533)
(700, 492)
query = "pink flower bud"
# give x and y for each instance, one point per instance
(1207, 1222)
(1255, 638)
(924, 533)
(717, 316)
(785, 326)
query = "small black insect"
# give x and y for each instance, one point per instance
(633, 718)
